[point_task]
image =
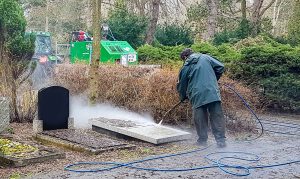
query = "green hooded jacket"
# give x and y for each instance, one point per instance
(198, 80)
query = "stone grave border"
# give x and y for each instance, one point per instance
(49, 140)
(20, 162)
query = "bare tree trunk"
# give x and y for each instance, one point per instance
(213, 8)
(88, 15)
(94, 74)
(14, 106)
(255, 18)
(257, 14)
(140, 4)
(11, 85)
(244, 9)
(153, 22)
(47, 16)
(276, 12)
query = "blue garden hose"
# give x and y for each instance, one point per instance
(295, 127)
(250, 109)
(216, 163)
(290, 125)
(219, 163)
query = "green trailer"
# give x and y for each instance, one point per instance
(114, 52)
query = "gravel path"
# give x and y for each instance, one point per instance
(272, 148)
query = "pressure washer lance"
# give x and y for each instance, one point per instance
(169, 112)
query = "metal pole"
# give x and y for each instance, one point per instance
(90, 46)
(56, 49)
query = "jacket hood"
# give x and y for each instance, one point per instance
(193, 59)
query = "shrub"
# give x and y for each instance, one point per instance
(226, 53)
(205, 48)
(258, 40)
(274, 68)
(233, 36)
(283, 91)
(127, 26)
(174, 34)
(167, 54)
(159, 53)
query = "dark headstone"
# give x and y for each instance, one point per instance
(53, 107)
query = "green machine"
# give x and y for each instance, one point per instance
(114, 52)
(43, 51)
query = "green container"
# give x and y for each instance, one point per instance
(111, 52)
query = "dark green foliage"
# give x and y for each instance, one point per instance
(244, 29)
(160, 53)
(173, 34)
(233, 36)
(205, 48)
(283, 91)
(225, 37)
(12, 30)
(275, 68)
(228, 53)
(127, 26)
(225, 53)
(241, 32)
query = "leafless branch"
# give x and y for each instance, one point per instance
(266, 8)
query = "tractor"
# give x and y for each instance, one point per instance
(43, 57)
(43, 51)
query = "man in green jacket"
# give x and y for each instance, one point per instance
(198, 82)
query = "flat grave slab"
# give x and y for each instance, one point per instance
(81, 140)
(31, 155)
(149, 132)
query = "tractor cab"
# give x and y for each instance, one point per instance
(42, 45)
(43, 51)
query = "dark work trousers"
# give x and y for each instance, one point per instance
(214, 112)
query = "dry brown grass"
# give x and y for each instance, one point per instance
(154, 91)
(26, 103)
(3, 86)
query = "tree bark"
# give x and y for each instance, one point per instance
(153, 22)
(47, 17)
(244, 9)
(276, 12)
(212, 6)
(94, 74)
(257, 14)
(140, 4)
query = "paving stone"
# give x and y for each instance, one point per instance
(148, 132)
